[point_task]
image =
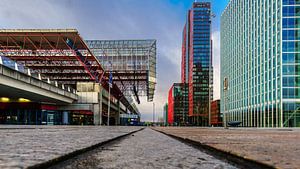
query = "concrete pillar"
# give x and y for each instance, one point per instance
(118, 114)
(100, 105)
(28, 72)
(16, 67)
(96, 114)
(65, 117)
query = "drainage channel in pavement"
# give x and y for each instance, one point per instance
(144, 149)
(62, 160)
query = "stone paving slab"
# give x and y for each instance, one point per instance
(146, 149)
(276, 147)
(25, 146)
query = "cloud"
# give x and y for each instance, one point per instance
(34, 14)
(115, 19)
(216, 63)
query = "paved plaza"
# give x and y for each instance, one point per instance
(146, 149)
(276, 147)
(25, 146)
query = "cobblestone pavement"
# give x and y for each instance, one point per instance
(24, 146)
(279, 147)
(146, 149)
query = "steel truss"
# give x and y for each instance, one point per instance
(133, 63)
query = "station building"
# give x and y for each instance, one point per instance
(51, 76)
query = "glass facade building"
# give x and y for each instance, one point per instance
(260, 62)
(197, 62)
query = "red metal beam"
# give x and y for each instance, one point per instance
(32, 43)
(48, 42)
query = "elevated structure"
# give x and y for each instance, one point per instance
(132, 62)
(15, 84)
(61, 55)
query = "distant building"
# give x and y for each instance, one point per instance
(196, 66)
(260, 60)
(165, 114)
(216, 119)
(178, 104)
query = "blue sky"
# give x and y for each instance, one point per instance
(120, 19)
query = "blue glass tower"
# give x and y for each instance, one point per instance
(197, 62)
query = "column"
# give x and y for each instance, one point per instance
(118, 114)
(100, 105)
(65, 118)
(96, 114)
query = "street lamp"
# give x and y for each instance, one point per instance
(225, 85)
(153, 113)
(110, 86)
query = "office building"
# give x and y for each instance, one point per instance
(178, 104)
(260, 56)
(197, 62)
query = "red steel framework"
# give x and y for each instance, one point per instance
(59, 54)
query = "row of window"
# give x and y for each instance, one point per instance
(291, 69)
(201, 42)
(290, 2)
(291, 58)
(291, 34)
(290, 93)
(291, 81)
(291, 46)
(291, 22)
(291, 11)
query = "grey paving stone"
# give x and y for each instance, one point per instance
(145, 149)
(24, 146)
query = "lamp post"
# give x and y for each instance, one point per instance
(225, 85)
(153, 112)
(110, 86)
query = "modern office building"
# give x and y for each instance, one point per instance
(197, 62)
(178, 104)
(260, 63)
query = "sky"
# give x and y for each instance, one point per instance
(162, 20)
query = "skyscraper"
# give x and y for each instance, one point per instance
(260, 62)
(197, 62)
